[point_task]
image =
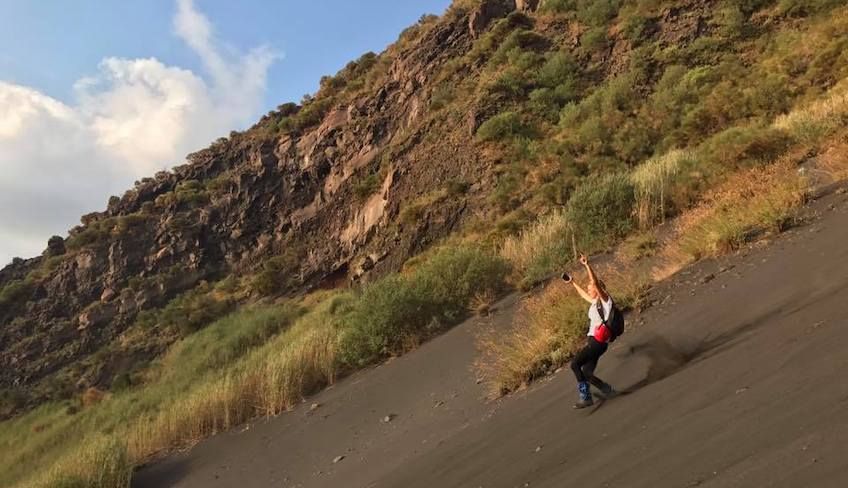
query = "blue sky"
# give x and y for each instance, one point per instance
(49, 44)
(97, 94)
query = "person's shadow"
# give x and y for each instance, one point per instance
(665, 359)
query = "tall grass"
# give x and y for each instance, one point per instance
(748, 203)
(102, 462)
(540, 249)
(258, 362)
(652, 181)
(820, 118)
(549, 328)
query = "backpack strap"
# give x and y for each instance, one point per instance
(600, 307)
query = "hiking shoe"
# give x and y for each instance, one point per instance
(584, 403)
(608, 391)
(585, 395)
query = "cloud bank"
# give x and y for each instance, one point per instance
(131, 119)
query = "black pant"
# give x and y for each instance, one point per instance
(585, 362)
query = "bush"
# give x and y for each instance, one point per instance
(517, 41)
(558, 6)
(503, 126)
(594, 40)
(738, 147)
(396, 313)
(597, 12)
(278, 274)
(559, 68)
(94, 233)
(193, 310)
(15, 293)
(366, 186)
(601, 210)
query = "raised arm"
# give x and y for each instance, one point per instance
(581, 292)
(593, 278)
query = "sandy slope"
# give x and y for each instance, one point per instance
(738, 380)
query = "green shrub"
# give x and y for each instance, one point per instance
(94, 233)
(194, 309)
(397, 312)
(743, 146)
(127, 223)
(510, 85)
(559, 6)
(311, 114)
(501, 127)
(802, 8)
(366, 186)
(517, 41)
(634, 28)
(385, 320)
(277, 274)
(442, 96)
(594, 40)
(601, 210)
(14, 294)
(559, 68)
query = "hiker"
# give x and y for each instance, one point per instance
(601, 332)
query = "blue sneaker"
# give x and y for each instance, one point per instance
(585, 395)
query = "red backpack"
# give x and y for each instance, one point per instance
(612, 326)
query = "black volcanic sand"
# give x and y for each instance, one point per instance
(738, 377)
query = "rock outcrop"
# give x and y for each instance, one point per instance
(327, 191)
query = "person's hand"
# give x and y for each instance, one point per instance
(566, 277)
(584, 260)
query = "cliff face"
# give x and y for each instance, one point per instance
(349, 185)
(235, 204)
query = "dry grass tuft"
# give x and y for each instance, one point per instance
(834, 160)
(540, 249)
(481, 303)
(747, 204)
(275, 378)
(100, 462)
(549, 328)
(651, 181)
(818, 119)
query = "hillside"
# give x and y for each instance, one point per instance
(471, 157)
(721, 391)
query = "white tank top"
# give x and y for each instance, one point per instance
(594, 318)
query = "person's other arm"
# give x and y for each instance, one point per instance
(580, 290)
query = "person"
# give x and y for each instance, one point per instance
(586, 360)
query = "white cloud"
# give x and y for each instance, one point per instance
(131, 119)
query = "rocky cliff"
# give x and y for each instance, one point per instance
(378, 165)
